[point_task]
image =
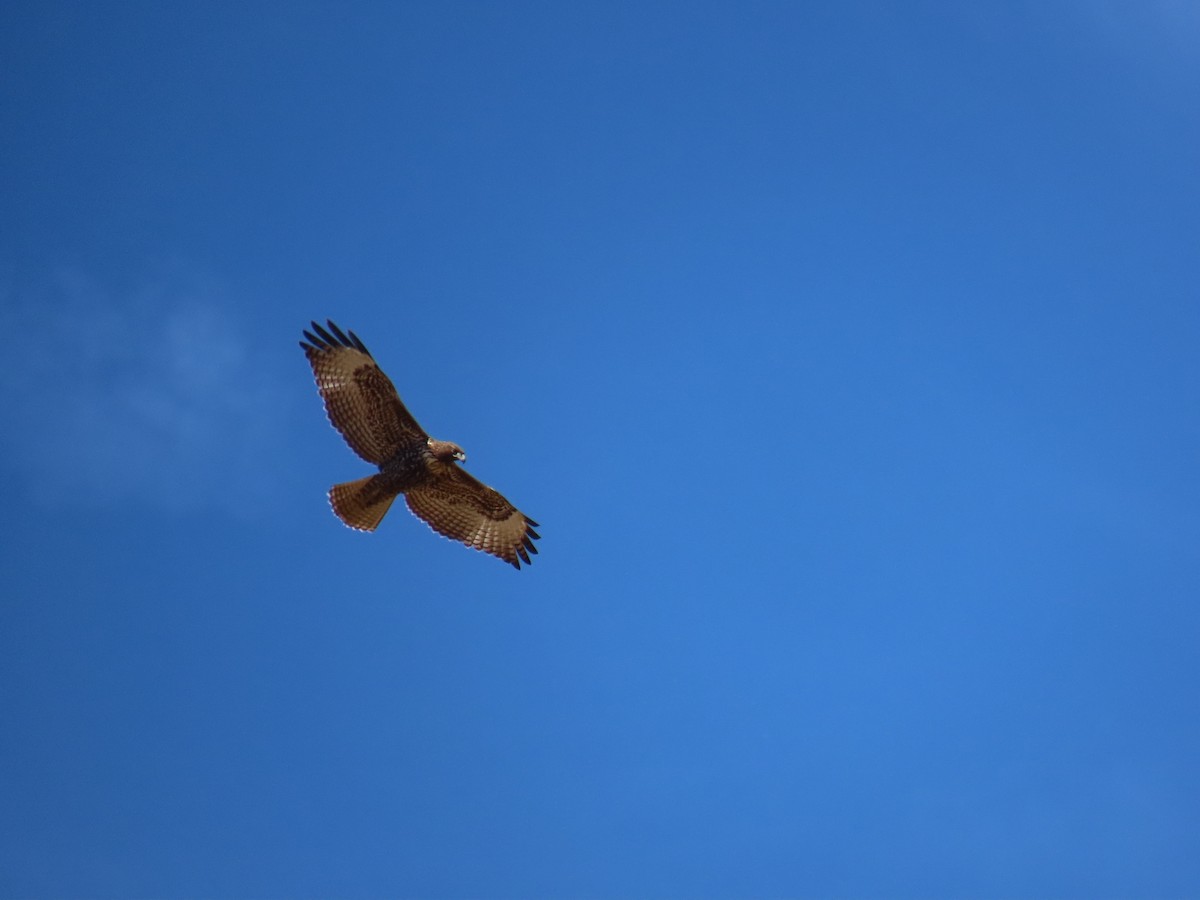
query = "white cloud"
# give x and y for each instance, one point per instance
(153, 396)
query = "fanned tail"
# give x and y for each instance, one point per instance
(361, 504)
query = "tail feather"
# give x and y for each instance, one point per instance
(361, 504)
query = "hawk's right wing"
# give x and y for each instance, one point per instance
(463, 509)
(361, 402)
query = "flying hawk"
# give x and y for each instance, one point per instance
(364, 406)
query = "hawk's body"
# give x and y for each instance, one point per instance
(364, 406)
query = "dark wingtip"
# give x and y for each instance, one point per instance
(359, 344)
(329, 336)
(318, 341)
(326, 338)
(337, 332)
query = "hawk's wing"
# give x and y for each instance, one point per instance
(461, 508)
(360, 400)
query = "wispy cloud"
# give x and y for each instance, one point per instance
(151, 395)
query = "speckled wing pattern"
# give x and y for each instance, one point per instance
(361, 401)
(461, 508)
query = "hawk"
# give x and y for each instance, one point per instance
(363, 405)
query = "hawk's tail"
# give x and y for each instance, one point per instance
(361, 504)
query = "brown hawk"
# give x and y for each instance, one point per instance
(364, 406)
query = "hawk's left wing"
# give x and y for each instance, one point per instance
(361, 401)
(463, 509)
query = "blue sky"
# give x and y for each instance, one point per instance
(845, 352)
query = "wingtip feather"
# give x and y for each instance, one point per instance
(326, 338)
(337, 332)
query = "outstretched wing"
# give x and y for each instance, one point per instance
(360, 400)
(463, 509)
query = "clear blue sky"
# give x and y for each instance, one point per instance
(847, 354)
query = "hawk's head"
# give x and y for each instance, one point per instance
(447, 451)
